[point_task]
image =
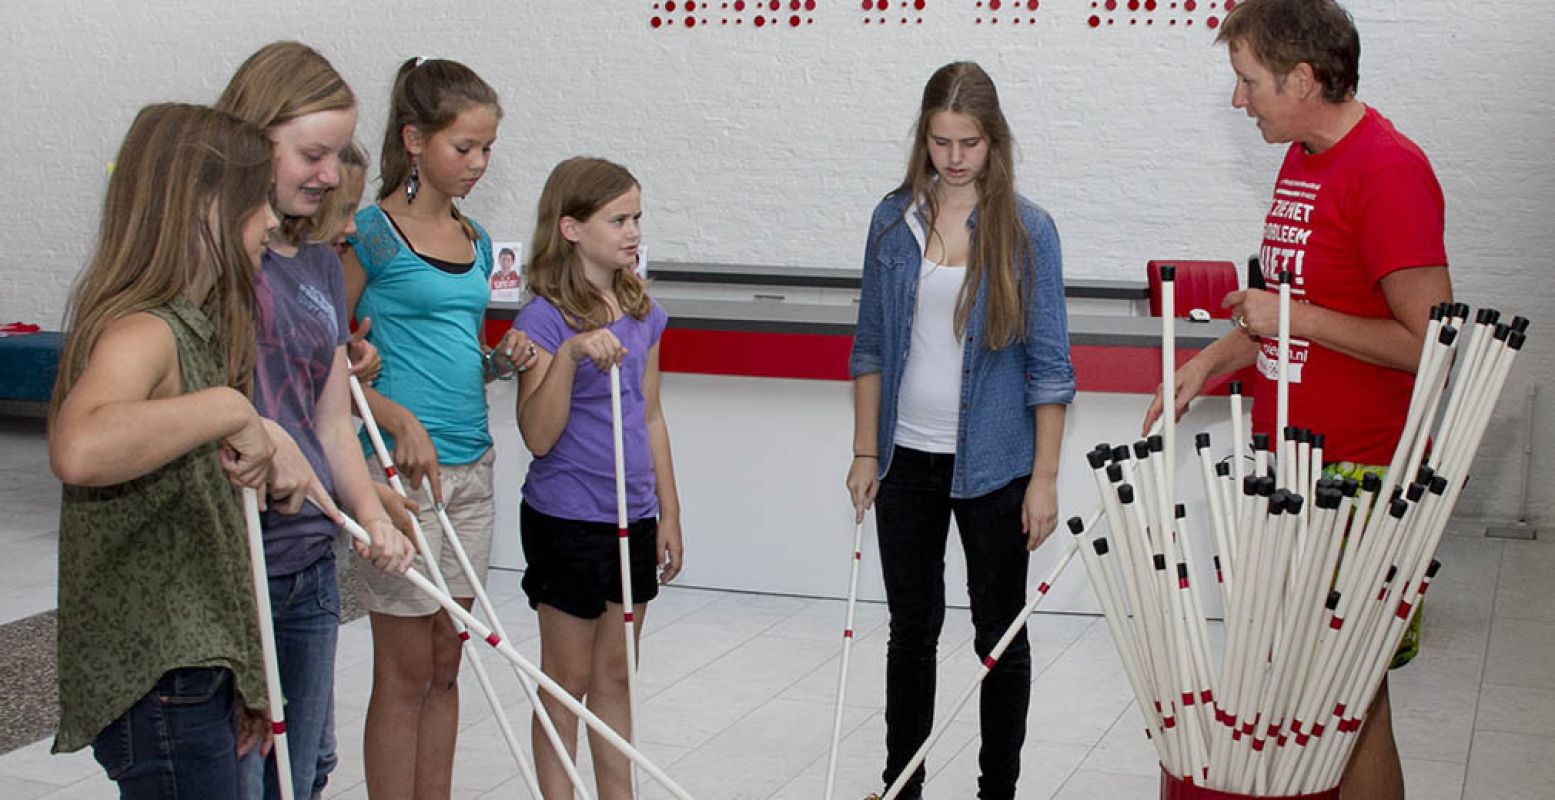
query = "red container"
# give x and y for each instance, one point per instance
(1174, 788)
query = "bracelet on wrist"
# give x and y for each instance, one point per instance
(866, 455)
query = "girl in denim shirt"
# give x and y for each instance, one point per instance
(961, 377)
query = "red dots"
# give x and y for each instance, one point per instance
(1230, 4)
(1112, 5)
(1133, 5)
(793, 22)
(691, 5)
(670, 6)
(1212, 22)
(656, 22)
(918, 5)
(1190, 5)
(881, 5)
(809, 5)
(739, 5)
(760, 20)
(868, 4)
(1094, 21)
(993, 5)
(691, 22)
(1149, 5)
(1032, 5)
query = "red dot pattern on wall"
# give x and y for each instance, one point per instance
(892, 12)
(1009, 12)
(763, 14)
(1169, 14)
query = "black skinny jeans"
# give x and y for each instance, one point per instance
(912, 515)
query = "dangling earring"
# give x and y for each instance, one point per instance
(413, 183)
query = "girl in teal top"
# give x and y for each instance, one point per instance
(419, 269)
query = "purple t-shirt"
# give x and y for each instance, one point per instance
(300, 320)
(577, 479)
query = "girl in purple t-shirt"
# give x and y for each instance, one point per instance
(590, 306)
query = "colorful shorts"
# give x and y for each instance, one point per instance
(1410, 646)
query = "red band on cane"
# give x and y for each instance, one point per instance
(627, 616)
(1182, 583)
(857, 555)
(1169, 722)
(1382, 594)
(1187, 698)
(1404, 610)
(1317, 730)
(389, 472)
(1301, 739)
(1335, 623)
(1043, 587)
(1258, 745)
(1219, 578)
(1280, 742)
(493, 640)
(1236, 736)
(847, 633)
(990, 661)
(1247, 728)
(1206, 696)
(464, 636)
(278, 728)
(1272, 730)
(1339, 710)
(621, 532)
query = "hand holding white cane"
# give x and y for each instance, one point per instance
(256, 560)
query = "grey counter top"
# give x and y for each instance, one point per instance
(786, 317)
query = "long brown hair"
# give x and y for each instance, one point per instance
(279, 83)
(428, 95)
(577, 188)
(180, 169)
(1001, 244)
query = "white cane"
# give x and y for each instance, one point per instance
(256, 561)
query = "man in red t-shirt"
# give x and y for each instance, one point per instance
(1356, 219)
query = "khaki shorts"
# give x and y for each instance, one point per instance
(467, 491)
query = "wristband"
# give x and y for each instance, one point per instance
(866, 455)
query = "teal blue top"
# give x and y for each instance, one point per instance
(427, 326)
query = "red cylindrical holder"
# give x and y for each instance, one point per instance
(1175, 788)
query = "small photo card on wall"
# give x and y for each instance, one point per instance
(507, 282)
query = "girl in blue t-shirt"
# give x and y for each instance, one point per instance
(418, 268)
(590, 306)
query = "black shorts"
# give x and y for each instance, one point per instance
(575, 566)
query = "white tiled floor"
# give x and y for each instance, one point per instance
(738, 688)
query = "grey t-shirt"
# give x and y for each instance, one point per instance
(301, 320)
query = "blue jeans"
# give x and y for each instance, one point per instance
(306, 610)
(912, 515)
(179, 740)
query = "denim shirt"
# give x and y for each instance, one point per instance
(996, 425)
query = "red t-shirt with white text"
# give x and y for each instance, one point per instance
(1340, 221)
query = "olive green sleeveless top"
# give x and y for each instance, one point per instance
(153, 572)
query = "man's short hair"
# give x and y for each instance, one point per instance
(1285, 33)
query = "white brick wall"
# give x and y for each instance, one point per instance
(770, 146)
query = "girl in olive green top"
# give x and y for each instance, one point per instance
(159, 660)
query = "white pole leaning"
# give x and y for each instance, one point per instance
(842, 672)
(504, 725)
(543, 680)
(628, 622)
(257, 568)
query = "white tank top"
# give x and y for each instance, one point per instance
(928, 406)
